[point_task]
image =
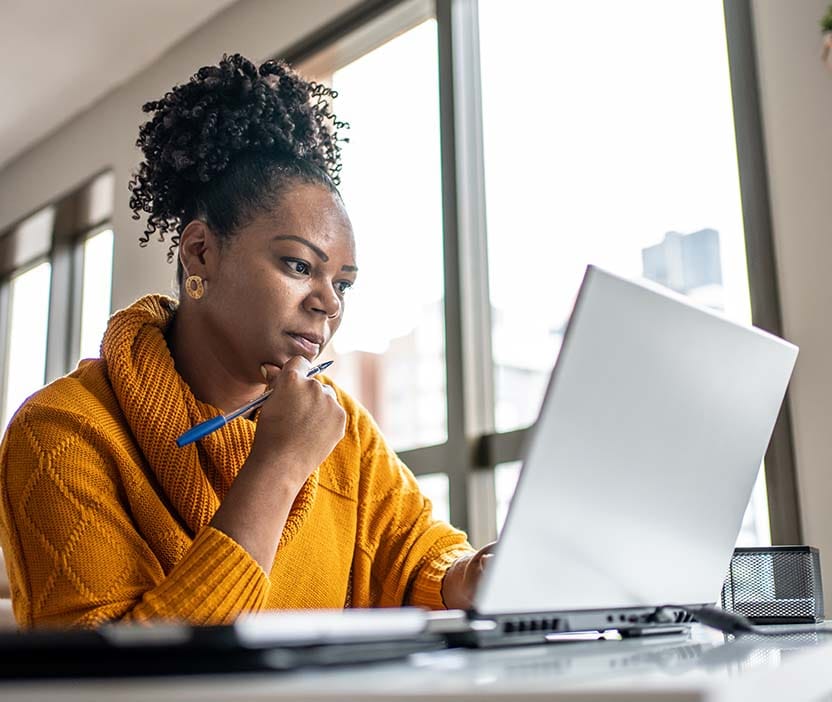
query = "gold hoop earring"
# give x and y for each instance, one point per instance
(194, 287)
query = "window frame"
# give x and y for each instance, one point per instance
(78, 215)
(474, 448)
(77, 289)
(5, 299)
(781, 473)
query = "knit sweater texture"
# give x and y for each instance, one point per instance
(103, 517)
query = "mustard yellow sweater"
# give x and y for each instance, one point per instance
(103, 517)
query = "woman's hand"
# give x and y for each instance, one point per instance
(461, 579)
(300, 424)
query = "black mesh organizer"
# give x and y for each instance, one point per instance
(775, 585)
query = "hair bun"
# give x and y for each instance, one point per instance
(198, 129)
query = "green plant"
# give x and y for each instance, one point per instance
(826, 22)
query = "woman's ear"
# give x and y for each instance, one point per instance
(197, 249)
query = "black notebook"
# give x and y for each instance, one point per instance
(269, 641)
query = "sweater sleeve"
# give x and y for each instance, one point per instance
(404, 551)
(74, 555)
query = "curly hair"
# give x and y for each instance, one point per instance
(222, 146)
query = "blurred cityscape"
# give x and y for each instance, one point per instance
(689, 264)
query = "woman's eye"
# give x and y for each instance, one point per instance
(298, 266)
(342, 286)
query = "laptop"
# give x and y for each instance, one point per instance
(637, 473)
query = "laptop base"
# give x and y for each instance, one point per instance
(488, 631)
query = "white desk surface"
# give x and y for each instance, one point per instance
(704, 666)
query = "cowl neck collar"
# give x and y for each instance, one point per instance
(159, 406)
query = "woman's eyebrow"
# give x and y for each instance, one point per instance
(320, 254)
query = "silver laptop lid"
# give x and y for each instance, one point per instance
(639, 468)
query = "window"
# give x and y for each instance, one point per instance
(634, 168)
(435, 487)
(25, 290)
(505, 482)
(55, 281)
(28, 322)
(391, 349)
(95, 290)
(564, 140)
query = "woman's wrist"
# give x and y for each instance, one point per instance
(453, 590)
(284, 470)
(462, 577)
(256, 506)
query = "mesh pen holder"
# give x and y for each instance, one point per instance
(775, 585)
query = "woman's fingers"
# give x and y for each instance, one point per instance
(298, 425)
(488, 549)
(270, 371)
(297, 364)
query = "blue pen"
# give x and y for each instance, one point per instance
(211, 425)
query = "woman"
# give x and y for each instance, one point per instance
(300, 505)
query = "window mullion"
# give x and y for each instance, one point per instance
(780, 471)
(467, 301)
(75, 298)
(60, 320)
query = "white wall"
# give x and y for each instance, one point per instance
(796, 99)
(104, 136)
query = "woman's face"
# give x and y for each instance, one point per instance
(276, 289)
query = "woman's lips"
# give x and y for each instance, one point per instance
(307, 346)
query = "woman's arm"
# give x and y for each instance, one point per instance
(72, 548)
(298, 427)
(67, 524)
(459, 585)
(403, 552)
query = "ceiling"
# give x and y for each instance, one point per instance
(61, 56)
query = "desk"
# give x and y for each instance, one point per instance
(703, 667)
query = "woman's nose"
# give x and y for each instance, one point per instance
(325, 300)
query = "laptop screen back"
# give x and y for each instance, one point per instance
(640, 466)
